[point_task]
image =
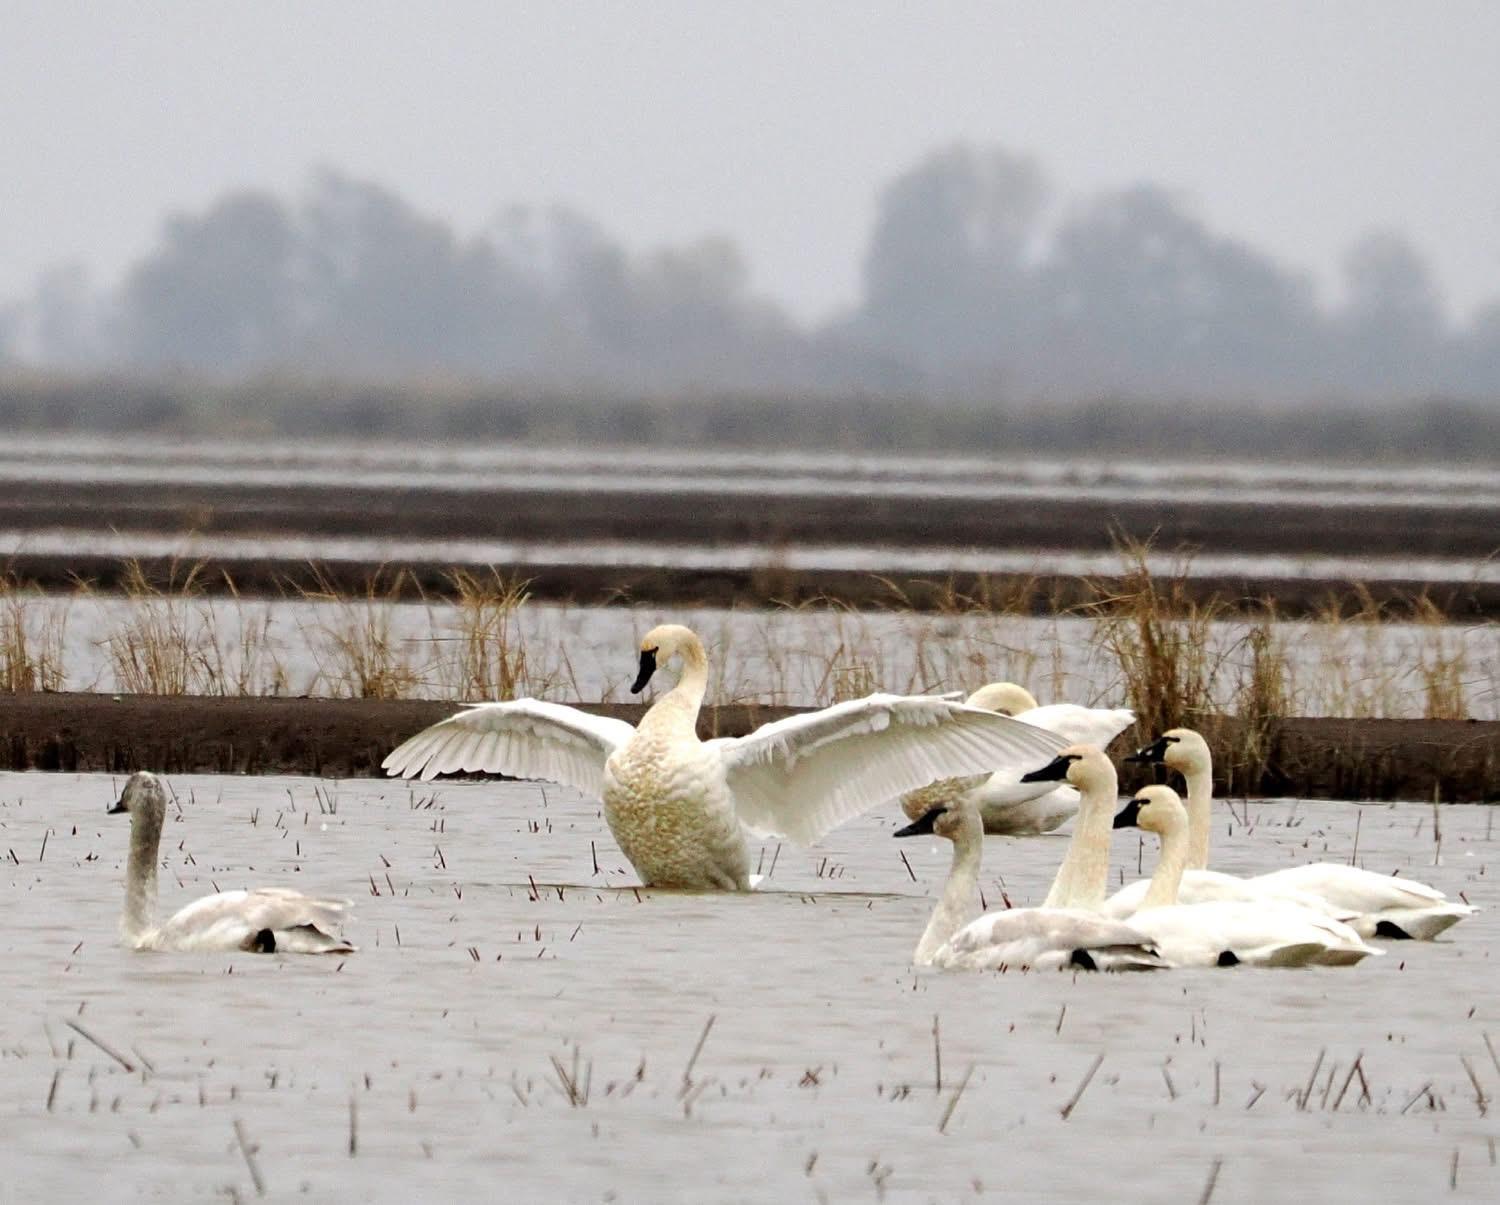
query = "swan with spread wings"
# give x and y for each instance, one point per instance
(679, 807)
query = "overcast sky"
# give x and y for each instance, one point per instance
(1296, 126)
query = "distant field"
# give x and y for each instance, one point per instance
(672, 527)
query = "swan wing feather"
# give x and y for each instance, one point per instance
(1058, 928)
(1080, 725)
(524, 738)
(802, 776)
(1353, 887)
(227, 920)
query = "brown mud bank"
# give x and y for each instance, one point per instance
(707, 516)
(1312, 758)
(770, 584)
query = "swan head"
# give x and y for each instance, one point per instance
(943, 821)
(1005, 697)
(1155, 809)
(1083, 766)
(1179, 749)
(660, 645)
(143, 796)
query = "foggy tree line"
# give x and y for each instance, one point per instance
(977, 283)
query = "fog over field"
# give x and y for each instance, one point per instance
(971, 286)
(996, 202)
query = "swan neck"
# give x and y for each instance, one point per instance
(1083, 877)
(1200, 800)
(140, 876)
(678, 708)
(1167, 878)
(958, 903)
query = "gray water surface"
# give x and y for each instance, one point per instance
(506, 954)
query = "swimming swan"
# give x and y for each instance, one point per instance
(678, 806)
(1376, 905)
(1007, 805)
(1040, 938)
(1224, 932)
(265, 920)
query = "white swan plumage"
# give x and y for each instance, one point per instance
(1375, 905)
(262, 920)
(1006, 805)
(1038, 938)
(1265, 932)
(679, 807)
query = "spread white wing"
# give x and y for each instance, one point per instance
(525, 738)
(804, 775)
(1080, 725)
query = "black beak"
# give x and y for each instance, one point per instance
(1154, 753)
(1129, 815)
(116, 808)
(922, 824)
(648, 667)
(1055, 770)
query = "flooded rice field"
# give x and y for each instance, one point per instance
(844, 556)
(521, 1019)
(776, 656)
(124, 459)
(694, 511)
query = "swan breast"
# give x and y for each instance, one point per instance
(671, 812)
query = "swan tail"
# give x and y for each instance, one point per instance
(299, 939)
(1289, 954)
(1415, 924)
(1126, 958)
(1348, 955)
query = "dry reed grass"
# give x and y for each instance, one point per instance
(482, 653)
(175, 638)
(1146, 643)
(31, 644)
(1161, 639)
(354, 641)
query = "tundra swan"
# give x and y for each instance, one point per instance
(678, 806)
(1224, 932)
(1041, 938)
(1007, 805)
(263, 920)
(1376, 905)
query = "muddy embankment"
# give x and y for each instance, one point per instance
(768, 585)
(1453, 761)
(710, 516)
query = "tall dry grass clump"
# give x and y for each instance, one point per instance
(355, 643)
(1162, 639)
(247, 659)
(1264, 695)
(179, 637)
(32, 631)
(1442, 667)
(157, 649)
(481, 649)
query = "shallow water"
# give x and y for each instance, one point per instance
(505, 935)
(872, 557)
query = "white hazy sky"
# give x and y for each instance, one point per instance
(1296, 126)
